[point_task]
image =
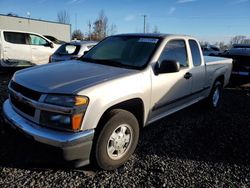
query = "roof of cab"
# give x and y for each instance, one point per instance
(158, 35)
(82, 42)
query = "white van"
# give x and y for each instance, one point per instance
(19, 48)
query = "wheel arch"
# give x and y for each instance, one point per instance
(135, 106)
(220, 78)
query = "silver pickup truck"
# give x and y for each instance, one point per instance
(94, 108)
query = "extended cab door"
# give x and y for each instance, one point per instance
(40, 49)
(199, 70)
(16, 50)
(171, 90)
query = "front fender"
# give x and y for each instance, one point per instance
(106, 95)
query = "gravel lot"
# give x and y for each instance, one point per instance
(192, 148)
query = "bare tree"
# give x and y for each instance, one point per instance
(63, 17)
(156, 30)
(77, 35)
(89, 24)
(100, 26)
(222, 46)
(239, 39)
(204, 43)
(104, 20)
(246, 41)
(113, 29)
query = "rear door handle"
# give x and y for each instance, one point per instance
(187, 75)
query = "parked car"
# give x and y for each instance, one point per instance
(93, 108)
(210, 50)
(54, 39)
(240, 53)
(19, 49)
(72, 50)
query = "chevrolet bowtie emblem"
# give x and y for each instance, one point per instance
(18, 96)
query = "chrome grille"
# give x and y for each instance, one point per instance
(25, 108)
(16, 90)
(34, 95)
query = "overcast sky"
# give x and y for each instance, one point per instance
(208, 20)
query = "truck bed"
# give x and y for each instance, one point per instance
(217, 66)
(212, 59)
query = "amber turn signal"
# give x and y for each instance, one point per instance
(79, 100)
(76, 121)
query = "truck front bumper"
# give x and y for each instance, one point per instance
(75, 146)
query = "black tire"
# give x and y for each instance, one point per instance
(117, 121)
(214, 99)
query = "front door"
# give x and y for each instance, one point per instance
(170, 90)
(40, 49)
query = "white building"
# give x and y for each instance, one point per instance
(55, 29)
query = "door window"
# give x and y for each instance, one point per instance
(36, 40)
(15, 38)
(175, 50)
(195, 51)
(68, 49)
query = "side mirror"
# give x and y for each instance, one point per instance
(85, 52)
(49, 44)
(167, 66)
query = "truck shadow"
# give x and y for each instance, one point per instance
(239, 82)
(199, 134)
(17, 151)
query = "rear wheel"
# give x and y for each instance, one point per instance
(117, 139)
(214, 97)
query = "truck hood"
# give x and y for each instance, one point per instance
(68, 77)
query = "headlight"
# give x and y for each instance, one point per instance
(67, 100)
(65, 121)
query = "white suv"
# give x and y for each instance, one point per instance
(18, 48)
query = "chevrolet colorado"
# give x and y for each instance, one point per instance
(94, 108)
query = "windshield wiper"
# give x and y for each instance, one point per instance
(102, 61)
(87, 60)
(109, 62)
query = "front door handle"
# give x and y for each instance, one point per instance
(187, 75)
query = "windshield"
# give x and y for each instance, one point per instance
(68, 49)
(123, 51)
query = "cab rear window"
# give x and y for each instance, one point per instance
(195, 51)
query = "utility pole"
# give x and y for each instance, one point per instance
(76, 21)
(144, 22)
(89, 24)
(28, 14)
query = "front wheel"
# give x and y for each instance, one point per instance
(117, 139)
